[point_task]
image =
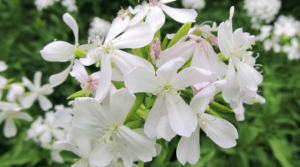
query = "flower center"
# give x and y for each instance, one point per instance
(106, 137)
(202, 119)
(155, 3)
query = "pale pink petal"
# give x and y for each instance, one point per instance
(180, 15)
(58, 51)
(183, 120)
(105, 80)
(121, 102)
(188, 149)
(136, 36)
(79, 72)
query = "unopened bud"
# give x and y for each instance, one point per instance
(155, 50)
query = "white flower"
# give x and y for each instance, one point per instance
(33, 132)
(273, 42)
(265, 31)
(135, 37)
(219, 130)
(234, 45)
(37, 92)
(169, 103)
(3, 81)
(286, 26)
(293, 50)
(10, 112)
(42, 4)
(104, 123)
(205, 30)
(98, 27)
(16, 91)
(70, 4)
(195, 4)
(60, 51)
(63, 116)
(262, 11)
(153, 11)
(203, 54)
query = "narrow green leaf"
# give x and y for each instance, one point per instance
(77, 94)
(212, 112)
(222, 57)
(164, 43)
(138, 101)
(134, 124)
(219, 107)
(157, 35)
(281, 150)
(219, 98)
(180, 33)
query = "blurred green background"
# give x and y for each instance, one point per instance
(269, 136)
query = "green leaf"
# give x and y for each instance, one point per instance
(164, 43)
(222, 57)
(118, 84)
(138, 101)
(281, 150)
(197, 32)
(157, 35)
(212, 112)
(180, 33)
(219, 107)
(134, 124)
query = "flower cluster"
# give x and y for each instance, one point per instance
(69, 4)
(262, 11)
(195, 4)
(283, 36)
(109, 125)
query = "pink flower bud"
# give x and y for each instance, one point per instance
(155, 50)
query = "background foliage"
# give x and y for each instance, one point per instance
(269, 136)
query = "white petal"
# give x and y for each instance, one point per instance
(58, 51)
(3, 82)
(138, 144)
(15, 91)
(37, 79)
(70, 21)
(136, 36)
(164, 129)
(217, 65)
(22, 115)
(139, 16)
(28, 84)
(225, 38)
(188, 149)
(201, 100)
(220, 131)
(62, 118)
(3, 66)
(238, 109)
(10, 128)
(125, 152)
(59, 134)
(102, 155)
(47, 89)
(126, 62)
(193, 75)
(88, 114)
(156, 18)
(158, 110)
(183, 120)
(86, 134)
(140, 80)
(169, 69)
(59, 78)
(121, 102)
(167, 1)
(105, 80)
(180, 15)
(117, 75)
(90, 59)
(136, 9)
(56, 156)
(79, 72)
(231, 91)
(44, 103)
(117, 26)
(180, 49)
(27, 101)
(46, 137)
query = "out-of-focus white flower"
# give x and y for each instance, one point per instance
(60, 51)
(16, 91)
(98, 27)
(37, 92)
(273, 42)
(33, 132)
(195, 4)
(293, 50)
(42, 4)
(3, 81)
(265, 31)
(9, 112)
(286, 26)
(153, 11)
(70, 4)
(262, 11)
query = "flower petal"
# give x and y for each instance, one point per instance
(3, 82)
(117, 75)
(158, 110)
(45, 103)
(201, 100)
(28, 84)
(27, 101)
(58, 51)
(37, 79)
(180, 15)
(117, 26)
(102, 155)
(124, 151)
(59, 78)
(70, 21)
(140, 80)
(22, 115)
(168, 70)
(138, 144)
(79, 72)
(156, 18)
(183, 120)
(10, 128)
(164, 129)
(136, 36)
(188, 149)
(105, 80)
(220, 131)
(231, 91)
(142, 12)
(121, 102)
